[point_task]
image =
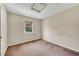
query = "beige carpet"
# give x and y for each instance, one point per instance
(39, 48)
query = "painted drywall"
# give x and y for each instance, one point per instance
(16, 32)
(0, 19)
(63, 29)
(25, 9)
(0, 30)
(3, 29)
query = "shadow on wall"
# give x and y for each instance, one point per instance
(0, 46)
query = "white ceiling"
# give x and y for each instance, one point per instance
(24, 9)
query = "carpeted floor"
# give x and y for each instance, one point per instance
(39, 48)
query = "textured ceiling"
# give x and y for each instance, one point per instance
(24, 9)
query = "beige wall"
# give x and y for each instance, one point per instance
(3, 30)
(63, 29)
(0, 30)
(16, 33)
(0, 19)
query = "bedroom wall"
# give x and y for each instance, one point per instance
(63, 29)
(0, 30)
(3, 29)
(16, 33)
